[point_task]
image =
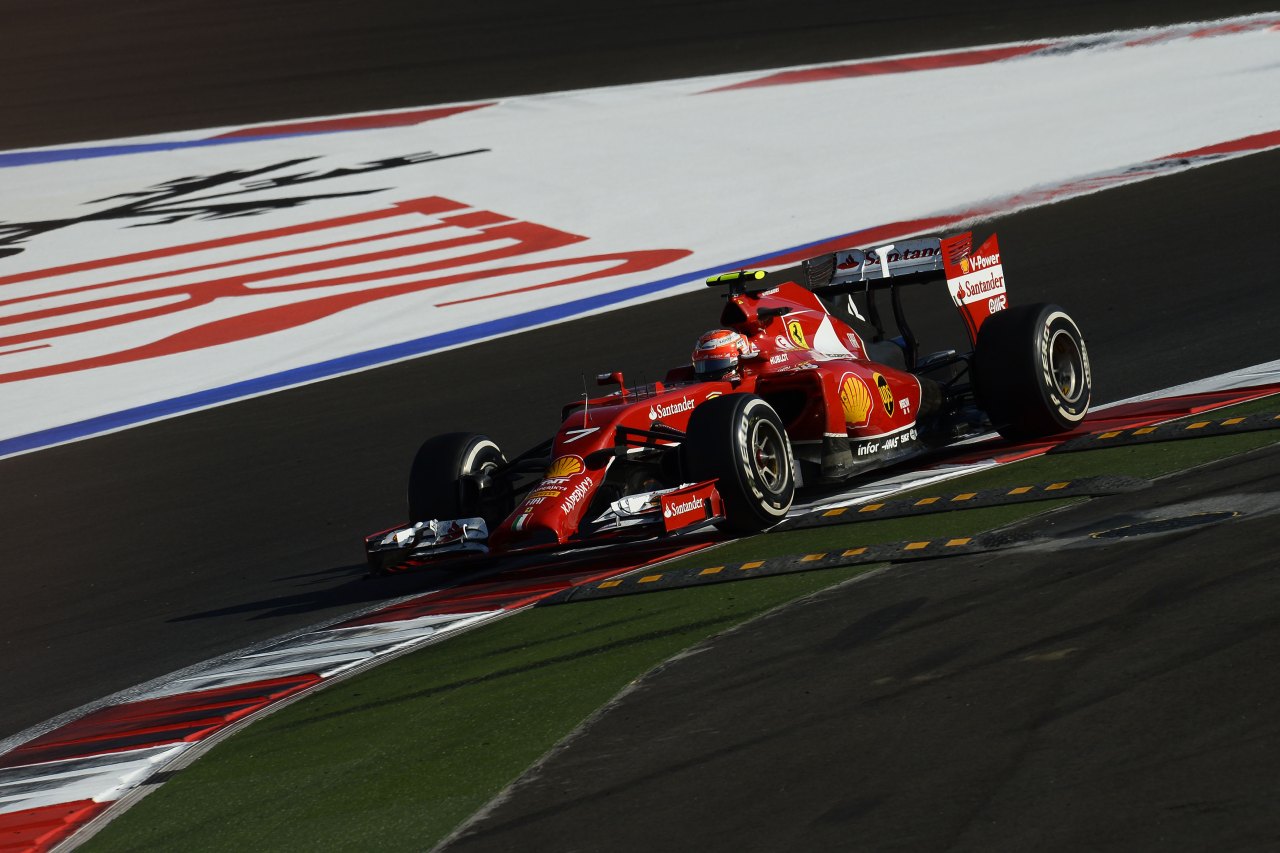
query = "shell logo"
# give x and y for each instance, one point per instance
(964, 265)
(886, 394)
(855, 399)
(565, 466)
(796, 333)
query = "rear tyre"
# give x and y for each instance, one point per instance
(1031, 371)
(450, 478)
(739, 441)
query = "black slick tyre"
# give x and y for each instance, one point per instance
(739, 441)
(1031, 371)
(450, 479)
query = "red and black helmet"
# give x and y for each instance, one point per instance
(717, 352)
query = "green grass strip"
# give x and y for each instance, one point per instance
(1147, 461)
(397, 757)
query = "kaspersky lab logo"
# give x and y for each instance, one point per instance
(658, 410)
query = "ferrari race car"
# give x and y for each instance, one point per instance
(787, 395)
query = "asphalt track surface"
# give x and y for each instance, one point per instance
(1086, 694)
(131, 555)
(82, 69)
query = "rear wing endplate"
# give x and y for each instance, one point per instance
(975, 280)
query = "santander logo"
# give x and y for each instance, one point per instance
(694, 504)
(660, 411)
(971, 289)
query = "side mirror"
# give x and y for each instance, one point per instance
(614, 378)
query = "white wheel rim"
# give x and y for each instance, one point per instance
(1066, 365)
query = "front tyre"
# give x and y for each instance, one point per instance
(1031, 371)
(739, 441)
(451, 478)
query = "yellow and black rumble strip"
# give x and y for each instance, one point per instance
(1195, 427)
(656, 579)
(1001, 496)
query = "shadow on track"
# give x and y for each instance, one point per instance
(359, 589)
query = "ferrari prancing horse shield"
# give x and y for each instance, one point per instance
(796, 333)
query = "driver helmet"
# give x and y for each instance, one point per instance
(717, 352)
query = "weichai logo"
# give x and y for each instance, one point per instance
(565, 466)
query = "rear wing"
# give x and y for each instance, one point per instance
(975, 280)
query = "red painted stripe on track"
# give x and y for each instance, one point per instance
(1128, 416)
(365, 122)
(977, 56)
(430, 206)
(154, 722)
(522, 587)
(1254, 144)
(37, 830)
(874, 67)
(1257, 142)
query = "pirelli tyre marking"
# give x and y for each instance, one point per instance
(1000, 496)
(1172, 431)
(1064, 363)
(765, 458)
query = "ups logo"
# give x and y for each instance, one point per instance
(886, 394)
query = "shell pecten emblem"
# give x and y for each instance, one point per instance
(795, 332)
(855, 399)
(886, 394)
(565, 466)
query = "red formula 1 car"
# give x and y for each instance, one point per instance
(786, 395)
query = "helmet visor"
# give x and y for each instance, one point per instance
(714, 366)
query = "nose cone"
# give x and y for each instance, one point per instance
(551, 512)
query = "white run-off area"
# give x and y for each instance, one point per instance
(670, 177)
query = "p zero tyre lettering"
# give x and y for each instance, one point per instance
(469, 462)
(743, 439)
(1064, 365)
